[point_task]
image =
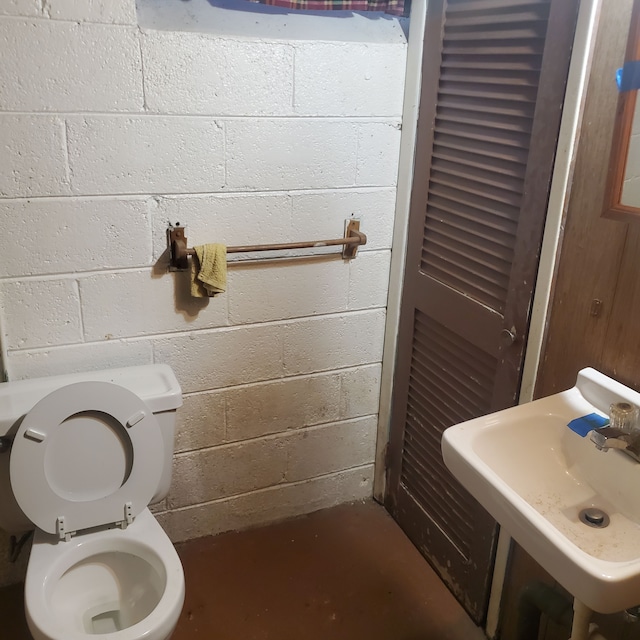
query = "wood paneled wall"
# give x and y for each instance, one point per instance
(595, 312)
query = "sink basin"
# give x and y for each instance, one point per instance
(534, 475)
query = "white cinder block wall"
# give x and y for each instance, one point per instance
(109, 131)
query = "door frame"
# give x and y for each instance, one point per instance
(573, 111)
(413, 85)
(579, 69)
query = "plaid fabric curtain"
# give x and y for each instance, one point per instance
(394, 7)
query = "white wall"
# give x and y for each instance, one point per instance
(107, 132)
(631, 185)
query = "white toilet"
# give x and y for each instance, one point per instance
(90, 452)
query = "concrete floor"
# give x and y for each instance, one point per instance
(347, 573)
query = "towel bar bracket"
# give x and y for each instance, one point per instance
(352, 231)
(177, 245)
(179, 252)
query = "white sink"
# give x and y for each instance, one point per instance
(534, 475)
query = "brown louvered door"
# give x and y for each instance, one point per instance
(494, 74)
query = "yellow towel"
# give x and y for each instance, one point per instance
(209, 270)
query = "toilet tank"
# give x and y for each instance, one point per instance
(155, 384)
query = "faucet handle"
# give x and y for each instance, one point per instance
(624, 416)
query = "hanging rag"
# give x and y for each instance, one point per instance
(209, 270)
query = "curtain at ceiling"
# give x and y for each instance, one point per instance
(394, 7)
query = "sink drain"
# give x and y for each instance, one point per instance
(594, 517)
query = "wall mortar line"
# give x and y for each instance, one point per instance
(145, 106)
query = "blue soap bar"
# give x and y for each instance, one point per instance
(583, 425)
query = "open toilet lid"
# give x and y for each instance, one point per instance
(90, 453)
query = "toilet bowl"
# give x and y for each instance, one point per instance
(126, 584)
(89, 453)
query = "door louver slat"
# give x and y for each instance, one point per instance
(476, 6)
(507, 47)
(452, 268)
(479, 148)
(498, 167)
(475, 188)
(501, 215)
(500, 63)
(426, 406)
(485, 177)
(451, 231)
(450, 243)
(489, 120)
(439, 513)
(450, 406)
(478, 371)
(475, 20)
(514, 79)
(446, 494)
(433, 394)
(435, 472)
(485, 105)
(534, 33)
(464, 92)
(490, 231)
(479, 135)
(455, 352)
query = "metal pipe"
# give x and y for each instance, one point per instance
(537, 598)
(580, 628)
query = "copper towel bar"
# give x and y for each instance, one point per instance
(179, 252)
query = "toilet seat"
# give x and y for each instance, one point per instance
(88, 454)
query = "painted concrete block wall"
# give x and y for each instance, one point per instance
(108, 131)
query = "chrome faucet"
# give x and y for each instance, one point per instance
(622, 432)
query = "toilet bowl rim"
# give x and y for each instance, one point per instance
(144, 537)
